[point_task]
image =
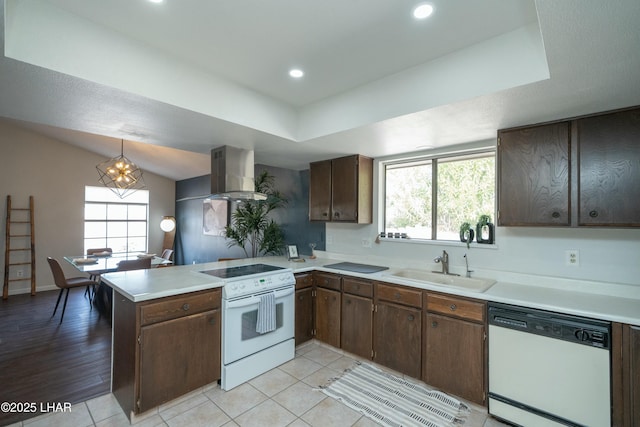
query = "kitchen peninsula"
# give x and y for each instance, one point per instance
(157, 298)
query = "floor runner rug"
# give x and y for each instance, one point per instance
(393, 401)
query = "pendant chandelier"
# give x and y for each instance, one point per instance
(120, 175)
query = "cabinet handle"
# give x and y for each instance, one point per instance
(212, 321)
(397, 296)
(434, 324)
(185, 307)
(336, 214)
(555, 214)
(411, 317)
(453, 307)
(325, 213)
(593, 214)
(348, 301)
(300, 297)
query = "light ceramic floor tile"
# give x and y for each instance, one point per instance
(268, 413)
(298, 423)
(120, 420)
(78, 416)
(299, 398)
(176, 408)
(345, 362)
(330, 413)
(366, 422)
(206, 414)
(321, 377)
(306, 347)
(300, 367)
(103, 407)
(238, 400)
(492, 422)
(323, 355)
(273, 382)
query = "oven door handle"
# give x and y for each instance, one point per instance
(244, 302)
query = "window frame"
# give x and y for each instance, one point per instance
(434, 159)
(107, 201)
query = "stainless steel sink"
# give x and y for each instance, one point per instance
(469, 284)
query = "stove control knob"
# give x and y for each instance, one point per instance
(582, 335)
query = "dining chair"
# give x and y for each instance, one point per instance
(166, 254)
(92, 276)
(66, 283)
(134, 264)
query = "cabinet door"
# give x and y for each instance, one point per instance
(609, 167)
(398, 338)
(454, 357)
(178, 356)
(533, 176)
(328, 316)
(632, 375)
(344, 175)
(320, 191)
(304, 315)
(357, 325)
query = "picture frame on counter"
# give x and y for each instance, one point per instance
(292, 252)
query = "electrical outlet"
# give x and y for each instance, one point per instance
(366, 243)
(20, 273)
(572, 258)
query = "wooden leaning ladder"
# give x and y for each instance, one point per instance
(19, 241)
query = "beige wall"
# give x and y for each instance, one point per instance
(56, 173)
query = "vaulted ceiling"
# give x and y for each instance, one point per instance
(178, 78)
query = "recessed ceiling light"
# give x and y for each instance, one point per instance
(422, 11)
(296, 73)
(156, 1)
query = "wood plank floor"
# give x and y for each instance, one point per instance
(42, 360)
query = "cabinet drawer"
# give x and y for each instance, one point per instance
(329, 281)
(406, 296)
(362, 288)
(174, 307)
(456, 307)
(303, 281)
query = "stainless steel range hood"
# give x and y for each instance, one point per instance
(232, 175)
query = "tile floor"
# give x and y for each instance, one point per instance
(284, 396)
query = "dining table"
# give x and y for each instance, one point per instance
(96, 265)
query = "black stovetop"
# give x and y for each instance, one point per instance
(243, 270)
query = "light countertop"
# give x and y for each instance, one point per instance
(606, 301)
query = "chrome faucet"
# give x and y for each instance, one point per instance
(444, 260)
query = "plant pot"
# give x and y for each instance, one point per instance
(467, 236)
(485, 233)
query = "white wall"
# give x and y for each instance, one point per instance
(56, 173)
(605, 254)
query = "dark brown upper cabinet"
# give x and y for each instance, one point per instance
(533, 186)
(609, 169)
(579, 172)
(341, 190)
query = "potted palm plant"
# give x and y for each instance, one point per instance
(251, 228)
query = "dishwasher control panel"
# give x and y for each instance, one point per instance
(579, 330)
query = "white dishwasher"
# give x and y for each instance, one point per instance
(548, 369)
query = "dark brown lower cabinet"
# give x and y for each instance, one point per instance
(454, 356)
(304, 308)
(304, 315)
(625, 372)
(455, 351)
(178, 356)
(164, 348)
(357, 325)
(328, 309)
(398, 338)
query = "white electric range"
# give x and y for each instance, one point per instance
(247, 349)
